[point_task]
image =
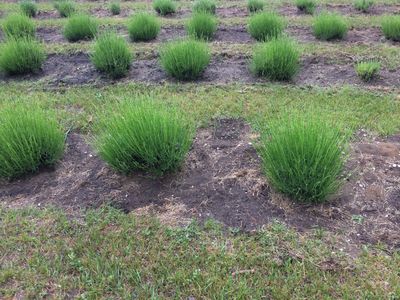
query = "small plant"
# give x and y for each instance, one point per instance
(277, 59)
(19, 26)
(164, 7)
(185, 60)
(28, 8)
(202, 26)
(265, 26)
(204, 6)
(80, 27)
(65, 8)
(329, 26)
(21, 56)
(303, 157)
(255, 5)
(391, 28)
(363, 5)
(141, 135)
(306, 6)
(143, 27)
(29, 139)
(111, 55)
(115, 8)
(367, 70)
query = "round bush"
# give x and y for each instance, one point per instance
(164, 7)
(185, 60)
(115, 8)
(80, 27)
(265, 26)
(255, 5)
(277, 59)
(391, 28)
(307, 6)
(202, 26)
(204, 6)
(65, 8)
(303, 157)
(29, 139)
(19, 26)
(329, 26)
(143, 27)
(367, 70)
(111, 55)
(141, 135)
(21, 56)
(28, 8)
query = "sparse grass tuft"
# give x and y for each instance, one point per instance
(29, 139)
(143, 27)
(306, 6)
(80, 27)
(65, 8)
(202, 26)
(19, 26)
(164, 7)
(28, 8)
(391, 28)
(254, 6)
(363, 5)
(265, 26)
(303, 157)
(185, 60)
(204, 6)
(329, 26)
(367, 70)
(143, 135)
(115, 8)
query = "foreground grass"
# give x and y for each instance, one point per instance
(105, 254)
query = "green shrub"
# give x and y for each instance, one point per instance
(65, 8)
(21, 56)
(141, 135)
(307, 6)
(115, 8)
(80, 27)
(185, 60)
(29, 139)
(277, 59)
(28, 8)
(164, 7)
(303, 157)
(265, 26)
(204, 6)
(143, 27)
(367, 70)
(363, 5)
(111, 55)
(391, 28)
(202, 26)
(19, 26)
(255, 5)
(329, 26)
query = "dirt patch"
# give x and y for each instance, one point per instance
(344, 9)
(101, 12)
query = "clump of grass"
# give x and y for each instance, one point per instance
(28, 8)
(185, 60)
(164, 7)
(330, 26)
(363, 5)
(80, 27)
(255, 5)
(303, 157)
(143, 27)
(265, 26)
(29, 139)
(142, 135)
(367, 70)
(115, 8)
(19, 26)
(202, 26)
(21, 56)
(204, 6)
(391, 28)
(111, 55)
(65, 8)
(307, 6)
(277, 59)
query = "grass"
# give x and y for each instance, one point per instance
(303, 157)
(202, 26)
(204, 6)
(307, 6)
(80, 27)
(363, 5)
(65, 8)
(185, 60)
(265, 26)
(111, 55)
(391, 28)
(28, 8)
(330, 26)
(164, 7)
(277, 59)
(142, 135)
(143, 27)
(21, 56)
(254, 6)
(367, 70)
(29, 139)
(19, 26)
(115, 8)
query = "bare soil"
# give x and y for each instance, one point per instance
(344, 9)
